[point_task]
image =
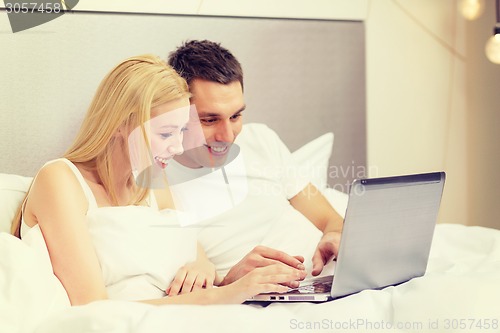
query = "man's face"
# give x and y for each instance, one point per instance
(219, 108)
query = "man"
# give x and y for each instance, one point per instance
(271, 200)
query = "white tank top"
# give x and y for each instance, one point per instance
(139, 248)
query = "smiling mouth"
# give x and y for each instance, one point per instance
(218, 150)
(163, 162)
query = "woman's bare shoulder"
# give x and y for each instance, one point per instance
(56, 181)
(54, 189)
(55, 173)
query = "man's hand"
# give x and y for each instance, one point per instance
(273, 278)
(316, 208)
(327, 249)
(262, 256)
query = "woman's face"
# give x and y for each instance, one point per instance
(167, 126)
(165, 132)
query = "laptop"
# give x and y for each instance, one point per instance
(386, 239)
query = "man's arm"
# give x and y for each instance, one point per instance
(314, 206)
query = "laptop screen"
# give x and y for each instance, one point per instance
(387, 232)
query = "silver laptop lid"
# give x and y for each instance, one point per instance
(387, 231)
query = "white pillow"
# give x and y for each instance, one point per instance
(13, 188)
(313, 159)
(29, 290)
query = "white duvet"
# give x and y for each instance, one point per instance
(459, 293)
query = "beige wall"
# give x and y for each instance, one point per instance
(416, 102)
(483, 119)
(432, 97)
(322, 9)
(433, 102)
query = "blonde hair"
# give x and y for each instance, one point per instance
(124, 98)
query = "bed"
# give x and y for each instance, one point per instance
(460, 291)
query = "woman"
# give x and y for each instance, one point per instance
(103, 231)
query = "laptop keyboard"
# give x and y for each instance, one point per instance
(314, 286)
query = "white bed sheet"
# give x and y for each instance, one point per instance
(461, 289)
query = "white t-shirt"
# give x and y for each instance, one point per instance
(252, 208)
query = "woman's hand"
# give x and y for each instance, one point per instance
(271, 278)
(194, 281)
(193, 276)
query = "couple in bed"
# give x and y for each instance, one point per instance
(110, 212)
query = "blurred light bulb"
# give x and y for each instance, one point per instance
(493, 48)
(471, 9)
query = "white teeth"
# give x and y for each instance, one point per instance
(218, 149)
(161, 159)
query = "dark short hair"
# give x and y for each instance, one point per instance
(205, 60)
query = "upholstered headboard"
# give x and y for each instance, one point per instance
(302, 77)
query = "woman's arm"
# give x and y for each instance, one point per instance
(194, 275)
(57, 203)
